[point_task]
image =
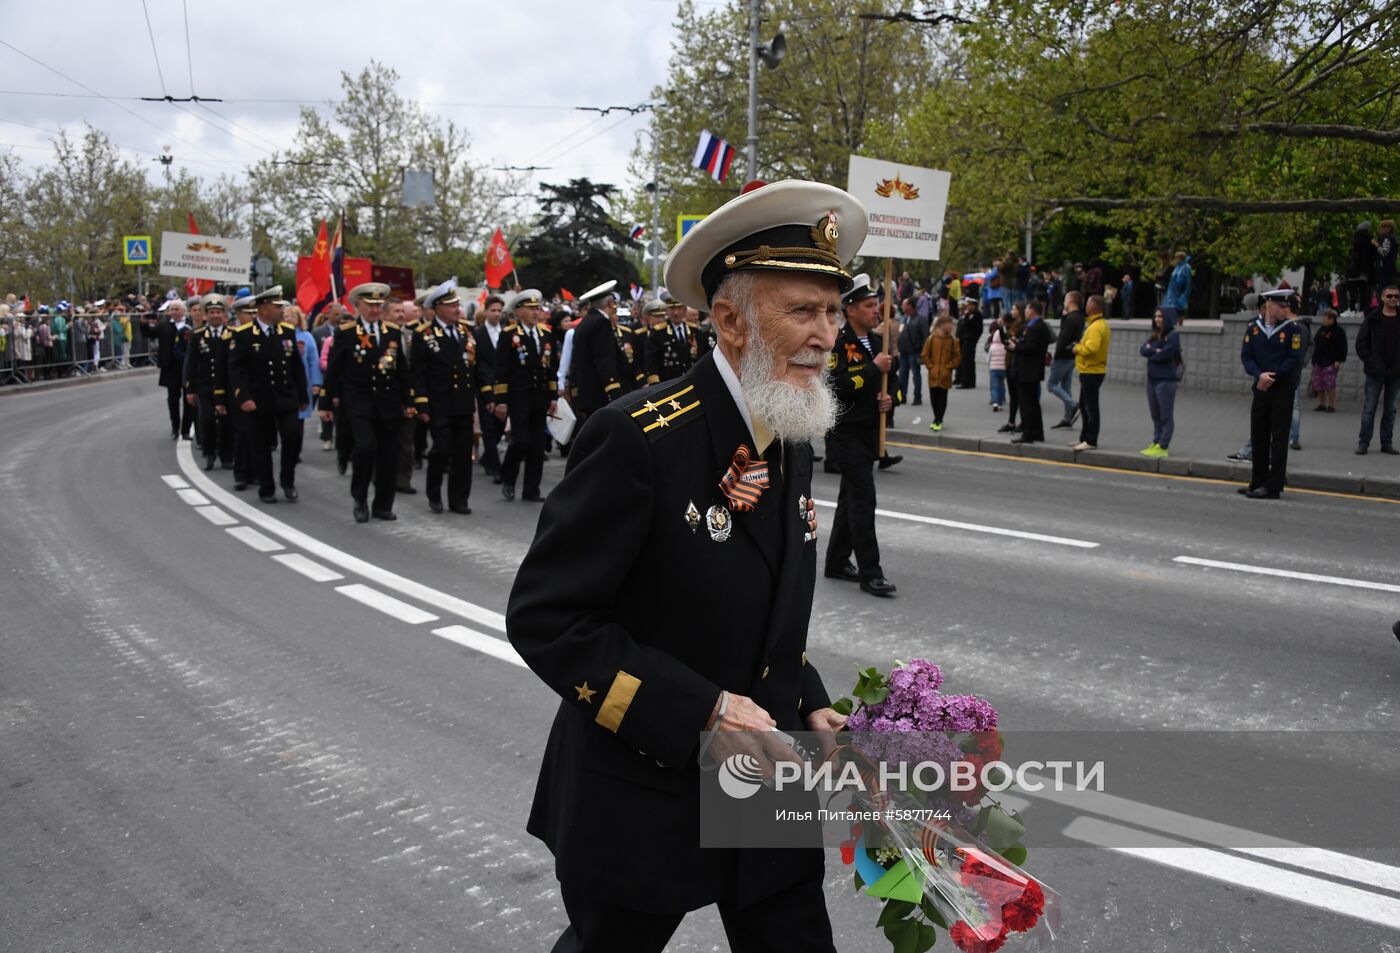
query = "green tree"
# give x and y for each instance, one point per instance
(576, 244)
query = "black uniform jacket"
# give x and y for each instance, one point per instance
(525, 375)
(171, 347)
(595, 372)
(1281, 354)
(667, 355)
(637, 616)
(202, 360)
(445, 372)
(369, 379)
(1031, 348)
(856, 382)
(631, 357)
(485, 353)
(266, 368)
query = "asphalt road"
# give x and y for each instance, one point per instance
(203, 748)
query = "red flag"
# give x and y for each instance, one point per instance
(567, 294)
(498, 262)
(196, 286)
(314, 282)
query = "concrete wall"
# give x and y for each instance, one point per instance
(1211, 350)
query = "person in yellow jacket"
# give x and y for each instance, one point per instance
(1091, 361)
(941, 355)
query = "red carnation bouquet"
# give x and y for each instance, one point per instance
(940, 857)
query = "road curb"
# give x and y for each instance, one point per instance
(1222, 470)
(35, 386)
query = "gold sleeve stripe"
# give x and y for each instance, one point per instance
(618, 700)
(663, 421)
(612, 387)
(650, 406)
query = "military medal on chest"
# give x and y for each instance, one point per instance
(692, 517)
(807, 512)
(719, 523)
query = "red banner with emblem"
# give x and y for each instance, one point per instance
(498, 261)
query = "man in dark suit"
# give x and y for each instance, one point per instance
(1031, 348)
(672, 346)
(597, 370)
(447, 381)
(488, 334)
(267, 382)
(366, 374)
(857, 363)
(525, 392)
(711, 472)
(172, 332)
(203, 389)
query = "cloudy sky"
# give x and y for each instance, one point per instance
(511, 72)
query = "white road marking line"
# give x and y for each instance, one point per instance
(308, 568)
(192, 497)
(216, 516)
(174, 482)
(978, 528)
(1204, 862)
(251, 537)
(1288, 574)
(386, 604)
(1330, 862)
(338, 557)
(486, 644)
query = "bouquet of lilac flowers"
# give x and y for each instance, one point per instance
(938, 859)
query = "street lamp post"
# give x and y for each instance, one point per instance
(771, 54)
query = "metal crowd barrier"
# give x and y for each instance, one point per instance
(78, 355)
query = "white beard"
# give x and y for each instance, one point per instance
(797, 413)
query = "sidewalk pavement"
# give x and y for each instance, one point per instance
(1209, 427)
(75, 379)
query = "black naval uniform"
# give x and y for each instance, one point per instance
(1271, 411)
(265, 367)
(631, 350)
(366, 374)
(640, 668)
(853, 447)
(672, 349)
(447, 382)
(172, 344)
(596, 371)
(215, 431)
(527, 383)
(490, 426)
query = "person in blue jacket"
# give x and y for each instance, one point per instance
(1163, 352)
(1178, 296)
(1272, 354)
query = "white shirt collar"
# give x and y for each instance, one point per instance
(493, 331)
(731, 381)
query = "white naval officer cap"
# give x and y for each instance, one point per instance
(594, 294)
(445, 293)
(530, 297)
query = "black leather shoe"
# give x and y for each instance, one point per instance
(1390, 450)
(267, 497)
(208, 463)
(1361, 449)
(532, 497)
(847, 572)
(1245, 490)
(462, 510)
(888, 461)
(406, 490)
(1007, 428)
(386, 515)
(240, 484)
(879, 586)
(175, 436)
(1063, 425)
(435, 505)
(290, 492)
(340, 468)
(1259, 493)
(496, 479)
(508, 492)
(361, 513)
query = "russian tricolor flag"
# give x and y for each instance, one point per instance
(714, 155)
(637, 231)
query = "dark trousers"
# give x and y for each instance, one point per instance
(527, 443)
(420, 441)
(403, 470)
(794, 920)
(909, 364)
(451, 453)
(1089, 387)
(181, 413)
(344, 438)
(242, 449)
(967, 370)
(215, 431)
(1270, 415)
(263, 429)
(1013, 401)
(375, 457)
(938, 397)
(490, 437)
(1028, 399)
(853, 527)
(327, 429)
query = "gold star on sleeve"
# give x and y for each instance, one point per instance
(585, 694)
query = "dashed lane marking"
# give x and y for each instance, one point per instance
(216, 516)
(192, 497)
(307, 567)
(174, 481)
(386, 604)
(978, 528)
(1288, 574)
(251, 537)
(477, 641)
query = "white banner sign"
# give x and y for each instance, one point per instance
(205, 256)
(905, 206)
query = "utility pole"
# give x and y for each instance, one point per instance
(753, 90)
(655, 242)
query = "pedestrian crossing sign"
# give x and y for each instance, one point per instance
(136, 249)
(684, 223)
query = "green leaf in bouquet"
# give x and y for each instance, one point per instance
(1003, 830)
(874, 695)
(899, 883)
(860, 882)
(928, 935)
(903, 935)
(894, 911)
(931, 912)
(843, 706)
(996, 777)
(1016, 854)
(980, 824)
